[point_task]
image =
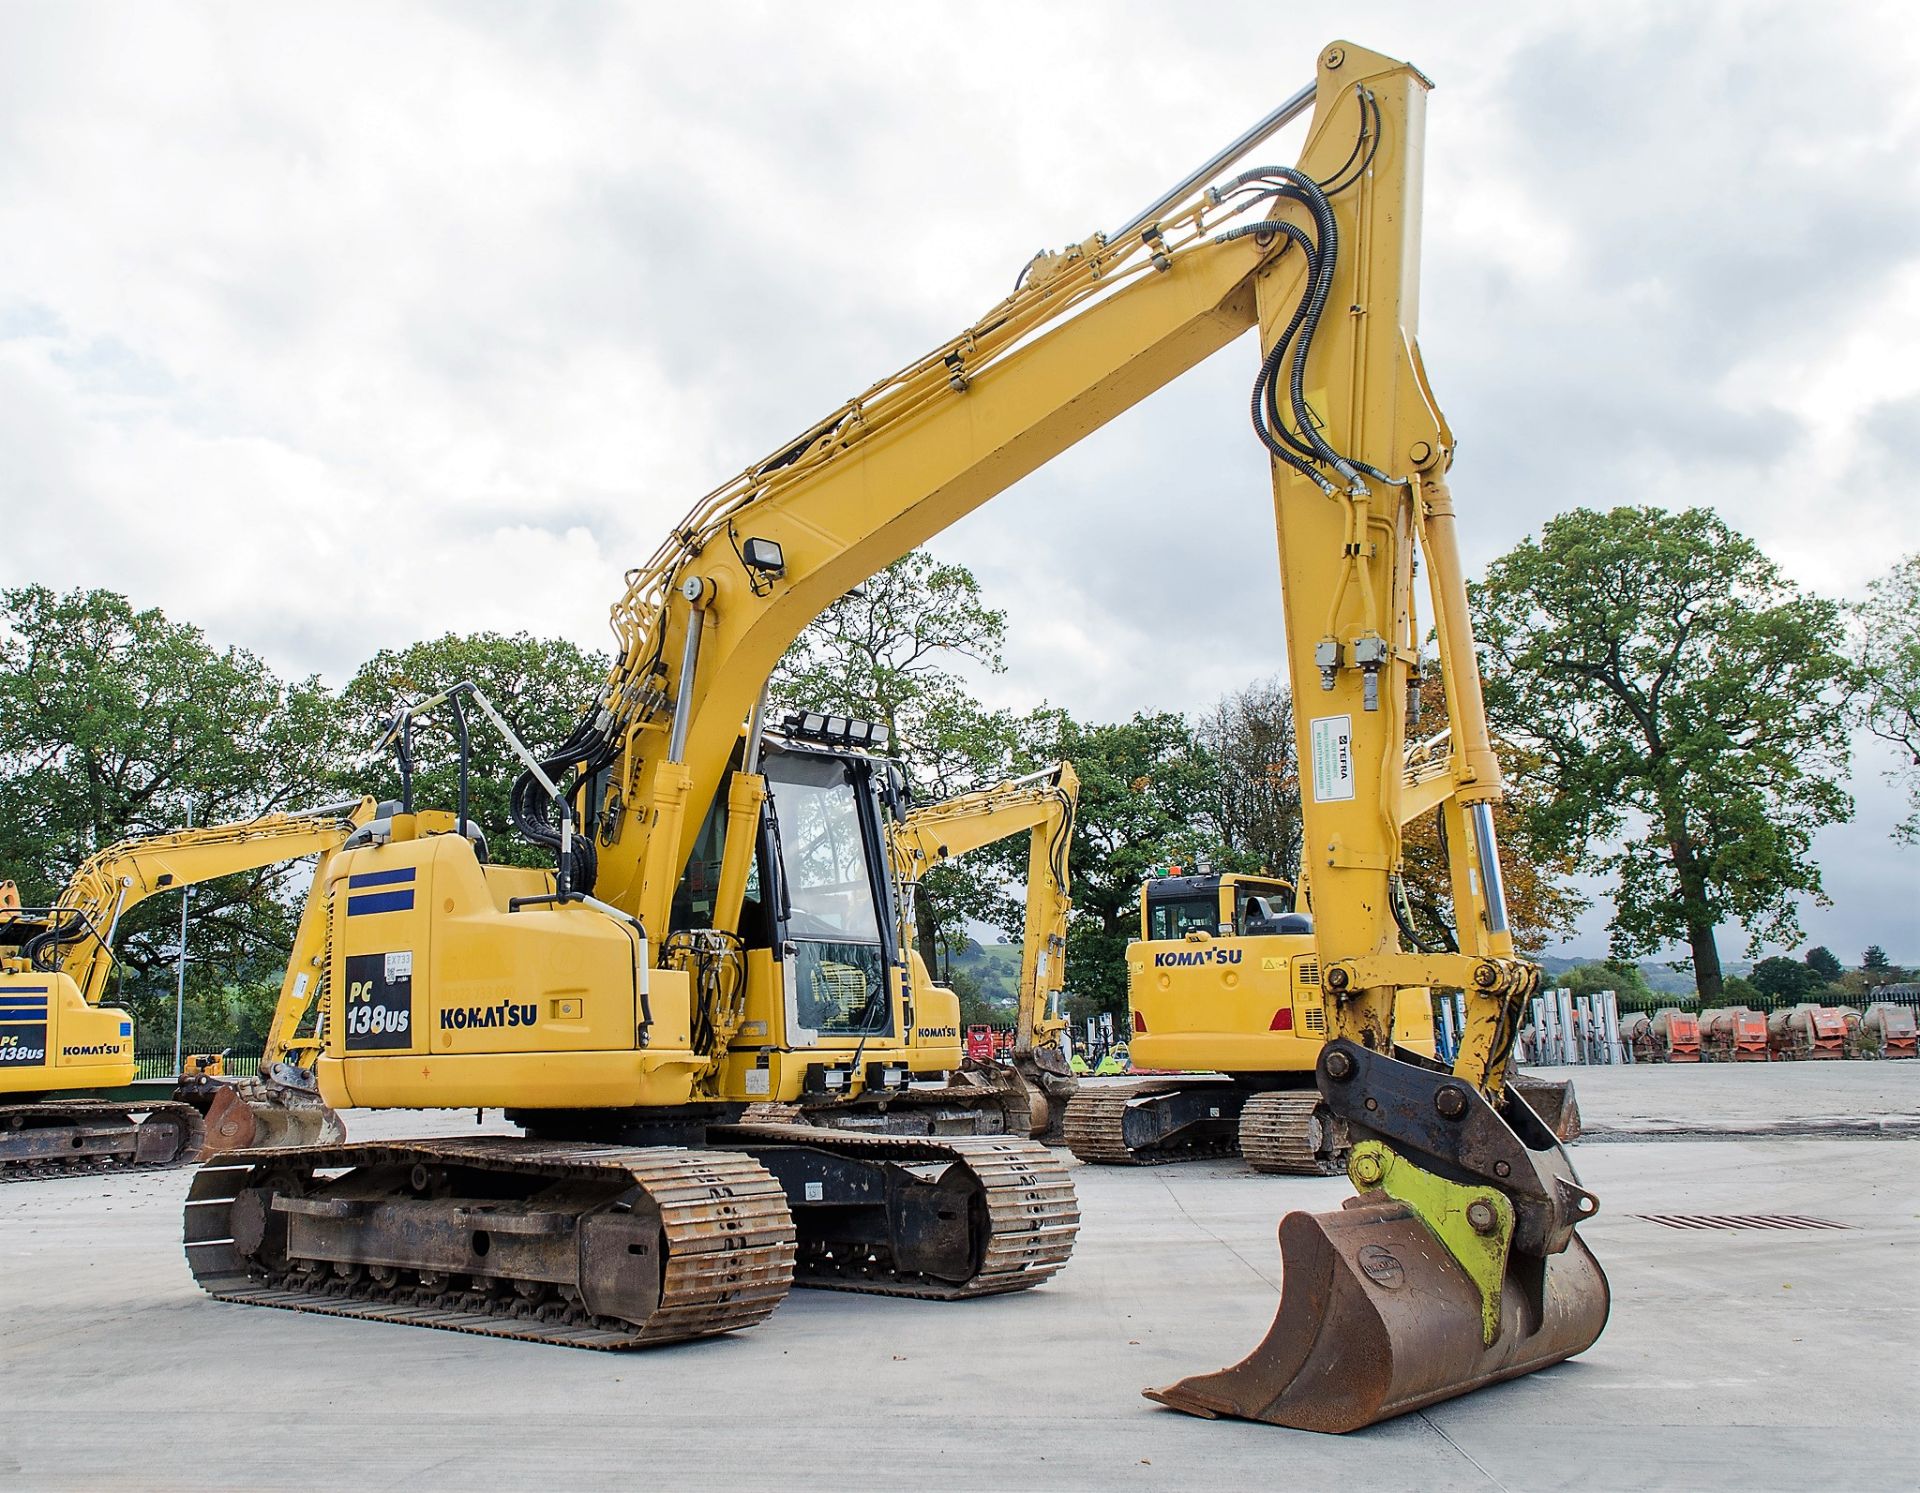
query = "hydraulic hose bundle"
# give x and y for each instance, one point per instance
(533, 809)
(1299, 443)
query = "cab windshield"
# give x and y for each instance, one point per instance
(833, 914)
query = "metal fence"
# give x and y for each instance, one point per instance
(160, 1065)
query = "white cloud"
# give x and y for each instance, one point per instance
(334, 326)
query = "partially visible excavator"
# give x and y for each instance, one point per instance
(1025, 1091)
(1040, 804)
(59, 1042)
(1223, 987)
(717, 930)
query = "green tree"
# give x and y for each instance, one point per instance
(886, 652)
(1875, 959)
(1783, 979)
(1683, 696)
(117, 722)
(1624, 980)
(1736, 990)
(1888, 651)
(1825, 967)
(1256, 796)
(541, 686)
(1145, 785)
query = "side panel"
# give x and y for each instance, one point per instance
(1241, 1005)
(440, 994)
(51, 1039)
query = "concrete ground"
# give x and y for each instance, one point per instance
(1739, 1359)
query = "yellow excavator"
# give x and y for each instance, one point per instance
(1226, 1007)
(1040, 805)
(624, 1016)
(58, 1041)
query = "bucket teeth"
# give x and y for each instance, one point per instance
(1377, 1319)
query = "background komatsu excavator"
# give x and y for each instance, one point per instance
(58, 1041)
(1223, 988)
(626, 1024)
(1041, 804)
(1025, 1092)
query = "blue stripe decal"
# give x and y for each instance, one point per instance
(380, 902)
(380, 878)
(13, 990)
(126, 1028)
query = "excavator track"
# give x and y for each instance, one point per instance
(85, 1137)
(1023, 1214)
(1095, 1128)
(716, 1223)
(1293, 1133)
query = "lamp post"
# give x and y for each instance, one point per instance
(180, 976)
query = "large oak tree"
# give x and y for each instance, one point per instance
(1687, 704)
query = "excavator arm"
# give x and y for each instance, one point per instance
(1040, 804)
(116, 880)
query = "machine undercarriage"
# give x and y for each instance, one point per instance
(623, 1246)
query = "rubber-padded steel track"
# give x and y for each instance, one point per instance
(1095, 1126)
(85, 1137)
(1292, 1133)
(729, 1242)
(1031, 1215)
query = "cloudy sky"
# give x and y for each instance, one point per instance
(331, 327)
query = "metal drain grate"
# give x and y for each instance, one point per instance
(1739, 1221)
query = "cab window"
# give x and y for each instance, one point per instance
(1175, 920)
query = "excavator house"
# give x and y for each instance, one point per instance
(716, 929)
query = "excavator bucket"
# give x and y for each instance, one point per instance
(1552, 1099)
(1376, 1318)
(258, 1117)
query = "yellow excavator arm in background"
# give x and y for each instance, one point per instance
(63, 1053)
(111, 883)
(1041, 803)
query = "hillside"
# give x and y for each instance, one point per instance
(1658, 975)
